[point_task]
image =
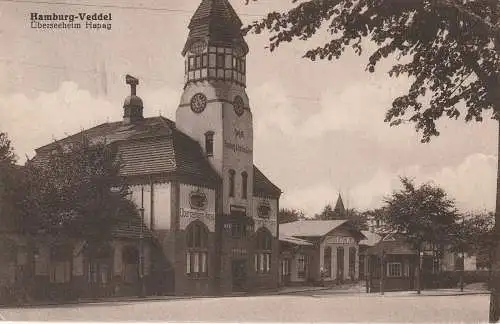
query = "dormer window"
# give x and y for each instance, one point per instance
(231, 183)
(244, 184)
(209, 143)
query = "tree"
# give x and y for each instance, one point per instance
(290, 215)
(424, 215)
(358, 219)
(326, 213)
(76, 192)
(474, 234)
(449, 48)
(9, 184)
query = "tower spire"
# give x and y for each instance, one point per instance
(339, 209)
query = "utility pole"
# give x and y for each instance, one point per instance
(141, 248)
(382, 273)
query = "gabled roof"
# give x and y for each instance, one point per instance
(310, 228)
(130, 228)
(294, 240)
(262, 186)
(392, 244)
(116, 131)
(150, 146)
(371, 238)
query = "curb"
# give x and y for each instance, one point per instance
(100, 301)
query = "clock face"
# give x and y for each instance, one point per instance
(198, 103)
(238, 105)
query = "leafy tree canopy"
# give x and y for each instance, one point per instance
(290, 215)
(76, 191)
(450, 49)
(423, 214)
(9, 184)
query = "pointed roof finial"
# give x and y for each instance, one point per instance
(339, 207)
(133, 82)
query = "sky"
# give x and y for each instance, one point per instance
(318, 126)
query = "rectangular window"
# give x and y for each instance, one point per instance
(60, 272)
(209, 143)
(256, 262)
(191, 63)
(394, 269)
(204, 62)
(211, 60)
(212, 73)
(220, 60)
(268, 262)
(261, 268)
(188, 262)
(203, 262)
(301, 266)
(327, 262)
(220, 73)
(198, 62)
(229, 61)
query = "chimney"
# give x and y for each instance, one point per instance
(132, 107)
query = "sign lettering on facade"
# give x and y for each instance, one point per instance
(340, 240)
(237, 147)
(270, 224)
(189, 215)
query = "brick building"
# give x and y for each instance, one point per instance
(210, 215)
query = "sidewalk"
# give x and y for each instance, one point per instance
(352, 289)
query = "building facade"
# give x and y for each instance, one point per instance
(320, 251)
(210, 213)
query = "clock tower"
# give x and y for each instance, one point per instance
(214, 107)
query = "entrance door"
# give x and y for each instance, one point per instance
(340, 264)
(239, 275)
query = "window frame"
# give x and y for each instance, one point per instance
(196, 255)
(263, 252)
(232, 175)
(209, 143)
(391, 266)
(244, 185)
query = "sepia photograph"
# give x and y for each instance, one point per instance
(246, 161)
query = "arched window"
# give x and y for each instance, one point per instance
(231, 183)
(244, 184)
(263, 251)
(197, 250)
(209, 143)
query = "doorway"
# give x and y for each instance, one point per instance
(340, 264)
(239, 275)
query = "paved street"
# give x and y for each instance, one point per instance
(311, 307)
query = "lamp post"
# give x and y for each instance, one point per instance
(382, 273)
(462, 269)
(419, 274)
